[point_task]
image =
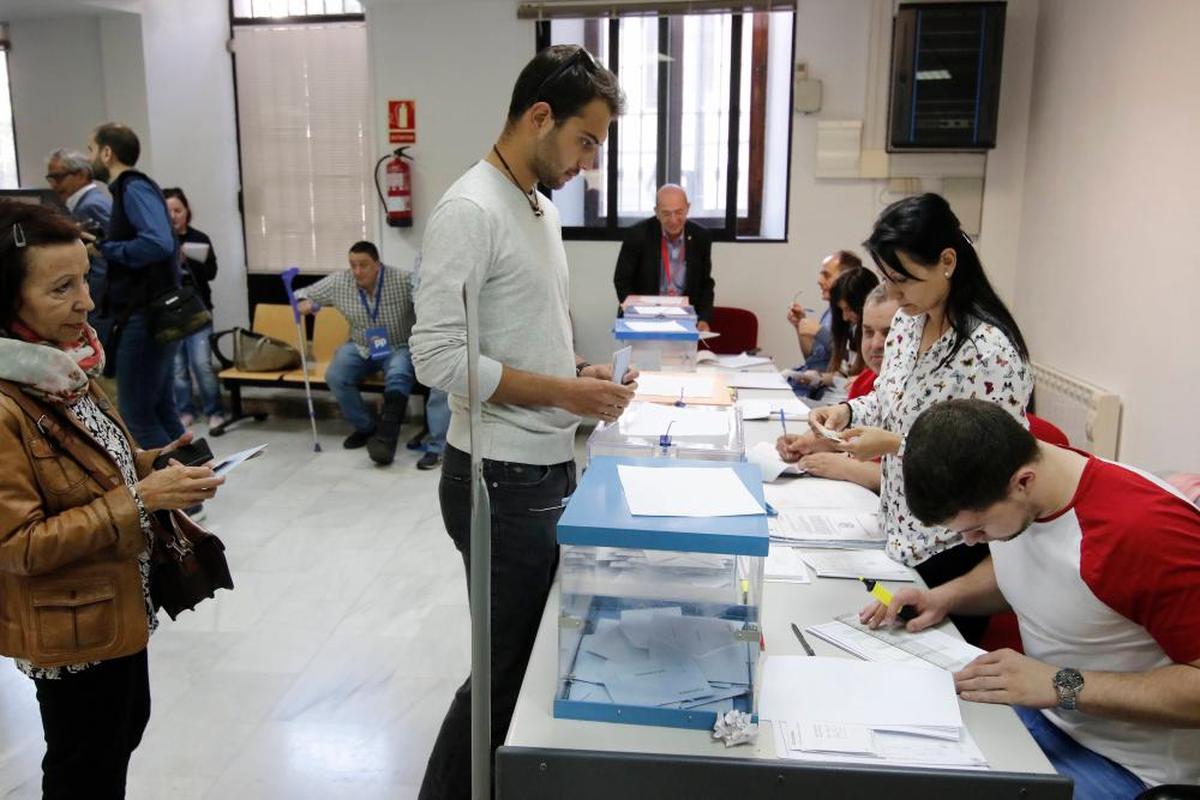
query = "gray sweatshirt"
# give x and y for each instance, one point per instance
(483, 223)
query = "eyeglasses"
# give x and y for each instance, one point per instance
(581, 57)
(58, 176)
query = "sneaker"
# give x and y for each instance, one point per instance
(358, 439)
(187, 419)
(429, 461)
(417, 442)
(215, 421)
(196, 512)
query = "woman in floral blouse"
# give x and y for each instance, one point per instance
(953, 337)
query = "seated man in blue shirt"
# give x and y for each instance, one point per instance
(814, 336)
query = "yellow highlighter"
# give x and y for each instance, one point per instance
(877, 590)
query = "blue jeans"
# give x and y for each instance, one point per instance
(437, 415)
(195, 360)
(1096, 777)
(145, 385)
(349, 369)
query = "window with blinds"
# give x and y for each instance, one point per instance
(305, 135)
(9, 179)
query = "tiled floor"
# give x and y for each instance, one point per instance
(326, 672)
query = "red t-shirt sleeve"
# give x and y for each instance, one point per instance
(1141, 555)
(862, 384)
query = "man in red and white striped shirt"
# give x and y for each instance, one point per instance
(1100, 562)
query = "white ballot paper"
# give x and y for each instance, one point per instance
(661, 311)
(785, 565)
(659, 385)
(197, 251)
(756, 408)
(857, 564)
(822, 493)
(620, 364)
(655, 326)
(655, 419)
(758, 380)
(227, 465)
(767, 458)
(742, 360)
(686, 492)
(832, 529)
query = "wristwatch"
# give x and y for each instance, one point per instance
(1068, 682)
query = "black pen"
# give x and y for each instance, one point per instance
(803, 642)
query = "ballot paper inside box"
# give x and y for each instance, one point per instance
(692, 432)
(660, 344)
(660, 616)
(681, 313)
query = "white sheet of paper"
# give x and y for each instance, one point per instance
(793, 409)
(708, 335)
(703, 356)
(786, 565)
(664, 311)
(758, 380)
(893, 644)
(895, 749)
(654, 419)
(670, 385)
(767, 458)
(197, 251)
(742, 360)
(861, 529)
(228, 464)
(822, 493)
(857, 564)
(655, 326)
(798, 688)
(620, 363)
(829, 737)
(686, 492)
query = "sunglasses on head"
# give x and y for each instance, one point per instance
(581, 57)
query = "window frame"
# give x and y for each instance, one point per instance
(733, 228)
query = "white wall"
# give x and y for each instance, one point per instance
(123, 71)
(57, 88)
(1107, 285)
(189, 94)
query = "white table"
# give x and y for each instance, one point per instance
(544, 756)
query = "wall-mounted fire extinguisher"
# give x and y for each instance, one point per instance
(398, 199)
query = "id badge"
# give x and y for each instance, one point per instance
(378, 348)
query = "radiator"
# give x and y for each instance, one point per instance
(1088, 415)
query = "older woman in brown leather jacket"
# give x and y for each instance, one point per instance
(75, 530)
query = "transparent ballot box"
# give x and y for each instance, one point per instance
(681, 313)
(659, 616)
(705, 433)
(659, 344)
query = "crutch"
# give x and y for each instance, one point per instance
(481, 566)
(288, 276)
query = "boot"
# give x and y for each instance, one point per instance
(382, 446)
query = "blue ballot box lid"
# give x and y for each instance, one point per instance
(623, 332)
(597, 515)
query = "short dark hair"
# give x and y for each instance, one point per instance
(123, 141)
(852, 285)
(367, 248)
(177, 193)
(35, 225)
(846, 259)
(567, 87)
(960, 456)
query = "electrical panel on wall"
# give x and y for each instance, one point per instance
(945, 87)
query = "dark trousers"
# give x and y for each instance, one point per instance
(93, 721)
(526, 503)
(945, 567)
(146, 385)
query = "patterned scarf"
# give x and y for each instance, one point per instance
(50, 371)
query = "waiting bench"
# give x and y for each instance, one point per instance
(330, 331)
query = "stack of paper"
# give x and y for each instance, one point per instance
(686, 492)
(655, 420)
(793, 409)
(660, 657)
(835, 709)
(785, 565)
(822, 494)
(758, 380)
(857, 564)
(801, 528)
(896, 645)
(742, 361)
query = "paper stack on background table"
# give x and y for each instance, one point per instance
(822, 494)
(857, 564)
(742, 361)
(756, 408)
(786, 565)
(799, 528)
(833, 709)
(896, 645)
(757, 380)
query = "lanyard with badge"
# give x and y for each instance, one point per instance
(666, 260)
(376, 337)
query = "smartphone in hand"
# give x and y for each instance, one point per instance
(194, 454)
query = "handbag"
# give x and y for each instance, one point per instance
(176, 314)
(187, 564)
(254, 352)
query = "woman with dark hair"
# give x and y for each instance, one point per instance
(847, 297)
(76, 499)
(198, 262)
(952, 338)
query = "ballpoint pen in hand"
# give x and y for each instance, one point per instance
(783, 422)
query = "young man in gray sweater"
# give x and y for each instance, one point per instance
(494, 230)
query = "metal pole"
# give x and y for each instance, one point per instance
(481, 568)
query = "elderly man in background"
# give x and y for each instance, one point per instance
(69, 175)
(667, 255)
